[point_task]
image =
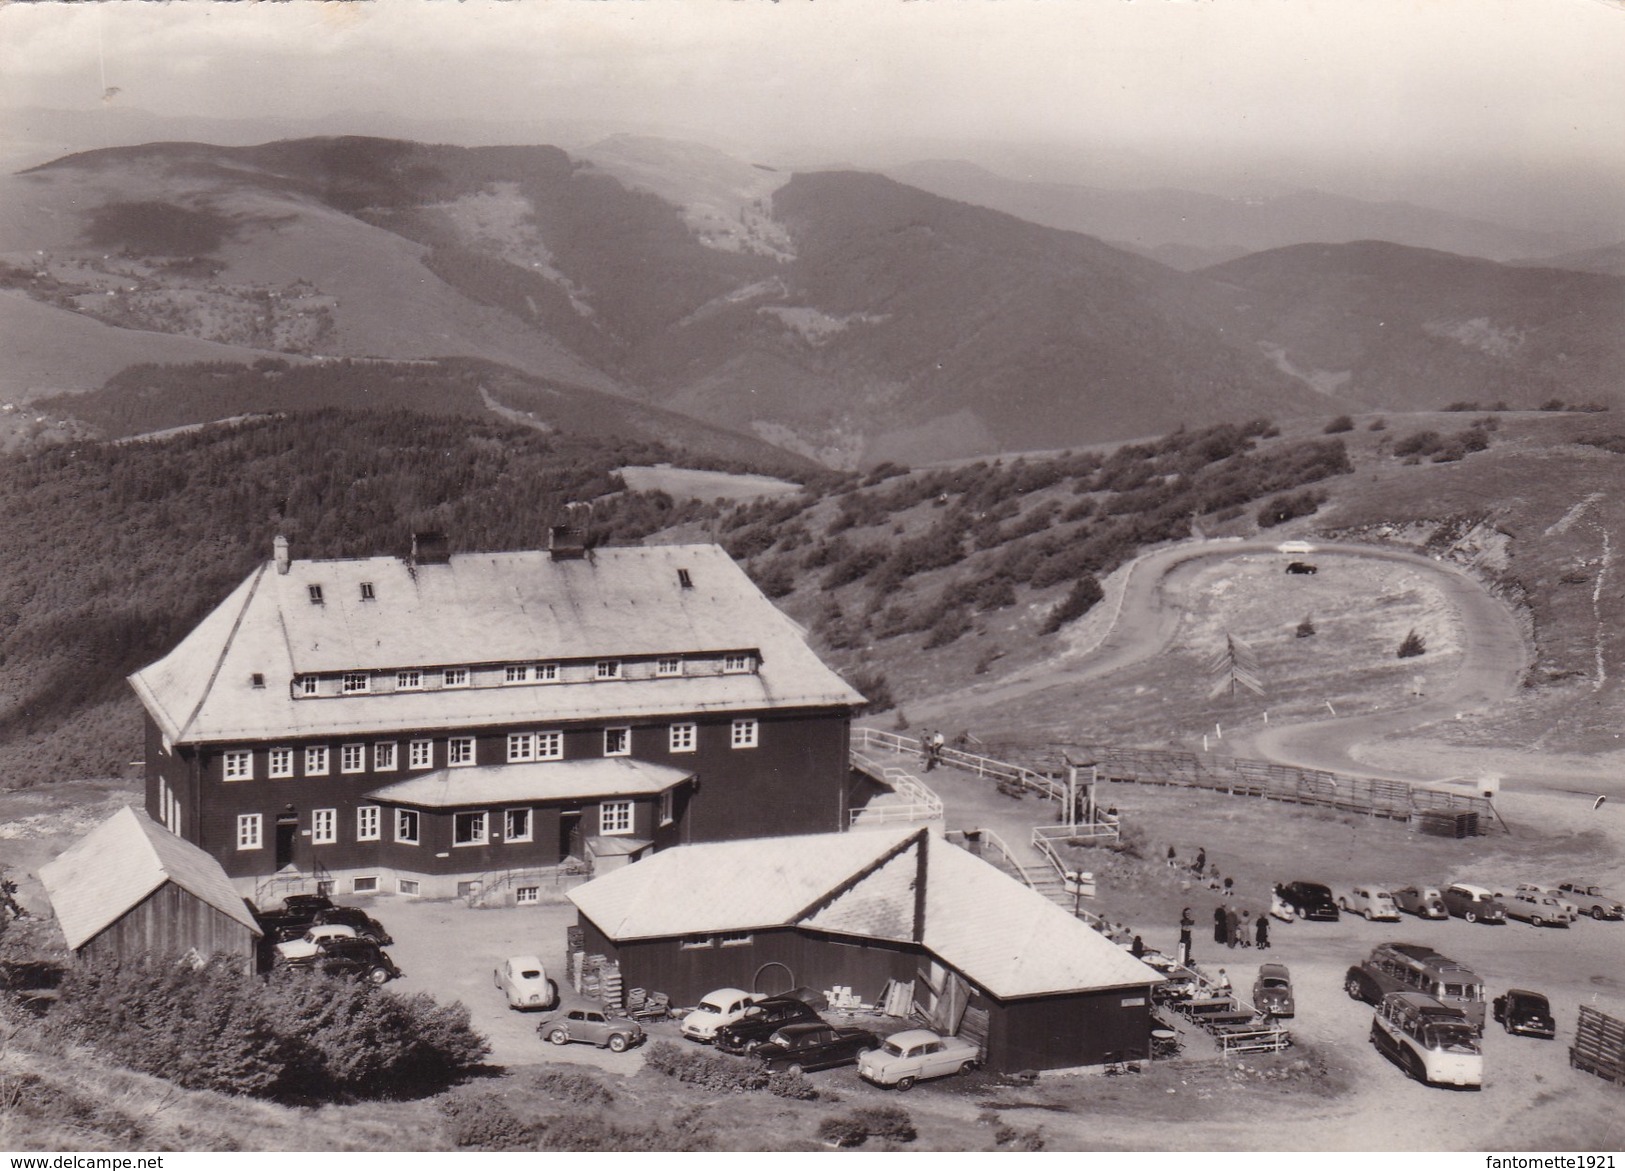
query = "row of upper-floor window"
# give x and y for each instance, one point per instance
(238, 764)
(469, 827)
(513, 674)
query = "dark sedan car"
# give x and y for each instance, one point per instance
(796, 1048)
(761, 1021)
(366, 927)
(1309, 900)
(1522, 1011)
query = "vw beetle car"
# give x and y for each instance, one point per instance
(1371, 901)
(915, 1054)
(1272, 991)
(1425, 902)
(524, 982)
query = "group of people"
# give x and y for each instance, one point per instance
(1239, 929)
(931, 742)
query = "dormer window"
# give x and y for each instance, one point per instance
(408, 680)
(257, 679)
(315, 595)
(684, 580)
(608, 669)
(366, 591)
(736, 664)
(668, 668)
(356, 681)
(516, 673)
(454, 677)
(309, 685)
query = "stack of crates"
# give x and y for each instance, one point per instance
(1599, 1045)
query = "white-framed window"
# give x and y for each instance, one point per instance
(665, 668)
(250, 829)
(364, 884)
(309, 685)
(353, 758)
(408, 886)
(238, 765)
(366, 823)
(525, 895)
(735, 664)
(521, 747)
(315, 592)
(696, 942)
(454, 677)
(324, 826)
(607, 669)
(516, 673)
(550, 746)
(468, 829)
(408, 680)
(547, 672)
(383, 756)
(316, 760)
(734, 939)
(420, 754)
(356, 681)
(406, 827)
(516, 825)
(682, 738)
(460, 751)
(615, 817)
(617, 741)
(279, 762)
(744, 734)
(668, 807)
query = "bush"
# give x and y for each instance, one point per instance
(1306, 628)
(888, 1122)
(955, 621)
(1421, 443)
(1378, 425)
(843, 1132)
(1285, 508)
(1338, 425)
(484, 1122)
(717, 1071)
(1413, 646)
(572, 1085)
(876, 688)
(1078, 602)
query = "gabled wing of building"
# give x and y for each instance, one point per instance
(122, 861)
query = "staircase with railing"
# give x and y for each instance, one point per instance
(909, 801)
(318, 880)
(550, 883)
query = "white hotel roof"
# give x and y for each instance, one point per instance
(479, 608)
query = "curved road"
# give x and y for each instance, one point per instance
(1494, 656)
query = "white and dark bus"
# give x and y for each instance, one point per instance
(1432, 1042)
(1415, 967)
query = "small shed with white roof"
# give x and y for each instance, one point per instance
(986, 956)
(130, 888)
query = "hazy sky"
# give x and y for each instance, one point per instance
(1374, 88)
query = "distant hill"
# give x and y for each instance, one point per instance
(1408, 328)
(1190, 230)
(1609, 259)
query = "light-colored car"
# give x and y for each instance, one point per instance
(1591, 899)
(916, 1054)
(1425, 902)
(1371, 901)
(1473, 903)
(594, 1025)
(1294, 547)
(716, 1009)
(524, 982)
(1534, 906)
(310, 943)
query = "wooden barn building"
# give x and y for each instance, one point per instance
(441, 724)
(987, 957)
(130, 888)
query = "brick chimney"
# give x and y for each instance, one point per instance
(279, 551)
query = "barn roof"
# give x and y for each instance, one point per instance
(118, 864)
(996, 931)
(479, 608)
(553, 780)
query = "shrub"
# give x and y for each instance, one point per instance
(484, 1122)
(876, 688)
(1378, 425)
(572, 1085)
(1413, 646)
(1306, 628)
(1338, 425)
(717, 1071)
(1285, 508)
(843, 1132)
(955, 621)
(888, 1122)
(1079, 601)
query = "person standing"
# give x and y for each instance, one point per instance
(1263, 932)
(1232, 926)
(1201, 861)
(1186, 922)
(1244, 930)
(1137, 948)
(1173, 858)
(1219, 933)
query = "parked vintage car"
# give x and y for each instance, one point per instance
(594, 1025)
(308, 944)
(293, 918)
(716, 1009)
(1521, 1011)
(1272, 991)
(910, 1056)
(348, 956)
(761, 1020)
(1473, 903)
(814, 1045)
(1534, 906)
(1591, 900)
(1371, 901)
(1425, 902)
(366, 927)
(1307, 567)
(524, 982)
(1309, 900)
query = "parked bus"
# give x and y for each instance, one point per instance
(1432, 1042)
(1414, 967)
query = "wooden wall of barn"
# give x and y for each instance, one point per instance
(170, 922)
(802, 958)
(1066, 1030)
